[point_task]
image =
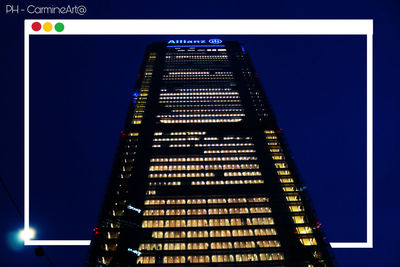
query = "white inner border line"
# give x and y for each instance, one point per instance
(207, 27)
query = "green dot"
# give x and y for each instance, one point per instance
(59, 27)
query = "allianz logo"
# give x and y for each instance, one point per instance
(211, 41)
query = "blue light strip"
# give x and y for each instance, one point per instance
(195, 45)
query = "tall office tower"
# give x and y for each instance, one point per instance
(202, 175)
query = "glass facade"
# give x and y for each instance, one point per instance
(202, 174)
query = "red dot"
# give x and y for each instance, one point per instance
(36, 26)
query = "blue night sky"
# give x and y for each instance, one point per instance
(81, 87)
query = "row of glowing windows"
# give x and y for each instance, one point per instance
(194, 50)
(205, 201)
(183, 212)
(214, 233)
(203, 105)
(176, 139)
(188, 72)
(227, 182)
(206, 96)
(206, 110)
(214, 258)
(208, 222)
(222, 144)
(210, 138)
(202, 159)
(198, 175)
(184, 52)
(206, 115)
(204, 167)
(190, 101)
(197, 77)
(214, 182)
(200, 121)
(173, 183)
(173, 145)
(231, 151)
(197, 59)
(181, 175)
(200, 93)
(212, 245)
(197, 62)
(188, 68)
(182, 133)
(196, 74)
(201, 90)
(192, 55)
(201, 57)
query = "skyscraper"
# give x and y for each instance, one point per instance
(202, 174)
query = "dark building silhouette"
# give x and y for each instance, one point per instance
(202, 174)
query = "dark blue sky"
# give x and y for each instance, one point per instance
(80, 90)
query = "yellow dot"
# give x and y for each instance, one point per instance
(47, 26)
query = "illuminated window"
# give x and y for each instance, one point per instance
(260, 210)
(197, 234)
(106, 260)
(197, 246)
(296, 208)
(221, 245)
(246, 257)
(304, 230)
(271, 256)
(174, 246)
(284, 172)
(268, 243)
(199, 259)
(289, 188)
(298, 219)
(112, 235)
(281, 165)
(260, 221)
(217, 211)
(308, 241)
(220, 233)
(286, 180)
(264, 232)
(174, 259)
(244, 244)
(222, 258)
(146, 260)
(293, 198)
